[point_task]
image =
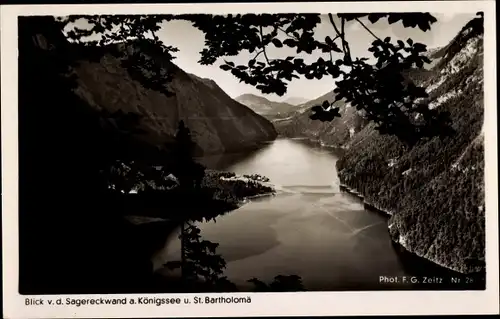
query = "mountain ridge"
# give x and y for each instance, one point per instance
(294, 100)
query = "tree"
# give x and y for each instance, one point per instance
(381, 91)
(185, 168)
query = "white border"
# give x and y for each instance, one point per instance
(264, 304)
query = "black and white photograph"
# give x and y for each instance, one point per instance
(212, 152)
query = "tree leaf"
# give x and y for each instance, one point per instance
(328, 41)
(374, 17)
(290, 42)
(335, 48)
(277, 43)
(393, 17)
(426, 59)
(419, 47)
(298, 61)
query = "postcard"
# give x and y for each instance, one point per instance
(265, 159)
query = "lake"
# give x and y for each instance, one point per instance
(310, 228)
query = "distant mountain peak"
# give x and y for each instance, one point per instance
(295, 100)
(250, 95)
(255, 97)
(264, 106)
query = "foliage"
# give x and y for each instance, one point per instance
(202, 268)
(141, 30)
(380, 90)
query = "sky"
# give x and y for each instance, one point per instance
(190, 42)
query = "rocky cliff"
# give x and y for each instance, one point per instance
(435, 191)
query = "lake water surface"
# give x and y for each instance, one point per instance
(310, 228)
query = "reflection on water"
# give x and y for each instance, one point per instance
(310, 228)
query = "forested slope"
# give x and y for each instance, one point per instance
(435, 191)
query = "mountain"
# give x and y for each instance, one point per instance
(269, 109)
(334, 133)
(295, 100)
(435, 191)
(217, 122)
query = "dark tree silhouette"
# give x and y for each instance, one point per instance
(189, 172)
(380, 91)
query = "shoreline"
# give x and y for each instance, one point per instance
(380, 210)
(375, 208)
(336, 148)
(400, 243)
(370, 206)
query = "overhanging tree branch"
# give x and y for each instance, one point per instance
(341, 35)
(344, 39)
(366, 28)
(263, 45)
(257, 55)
